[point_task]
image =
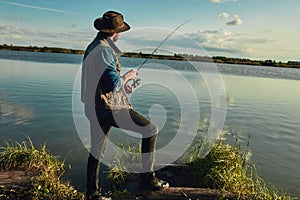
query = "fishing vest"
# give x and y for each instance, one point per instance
(115, 100)
(91, 87)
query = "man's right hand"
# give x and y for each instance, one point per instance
(130, 75)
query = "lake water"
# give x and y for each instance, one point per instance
(37, 91)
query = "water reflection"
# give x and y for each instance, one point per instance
(14, 113)
(37, 99)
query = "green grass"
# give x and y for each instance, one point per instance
(123, 163)
(47, 181)
(227, 168)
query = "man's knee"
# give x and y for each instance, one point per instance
(152, 130)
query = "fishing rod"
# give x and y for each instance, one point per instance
(136, 82)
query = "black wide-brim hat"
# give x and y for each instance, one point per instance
(111, 22)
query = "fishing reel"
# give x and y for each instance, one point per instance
(136, 82)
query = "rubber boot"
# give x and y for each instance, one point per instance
(151, 183)
(92, 192)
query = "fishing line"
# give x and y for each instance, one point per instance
(136, 82)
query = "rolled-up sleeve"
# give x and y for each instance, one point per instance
(110, 80)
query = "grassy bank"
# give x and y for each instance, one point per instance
(46, 173)
(224, 169)
(228, 168)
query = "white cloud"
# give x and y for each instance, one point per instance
(235, 22)
(224, 15)
(67, 38)
(236, 16)
(220, 42)
(227, 43)
(268, 30)
(212, 42)
(221, 1)
(38, 8)
(227, 33)
(147, 39)
(4, 27)
(15, 18)
(16, 36)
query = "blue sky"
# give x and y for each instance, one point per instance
(256, 29)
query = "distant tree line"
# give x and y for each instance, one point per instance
(41, 49)
(215, 59)
(153, 56)
(179, 57)
(241, 61)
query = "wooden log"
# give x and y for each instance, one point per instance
(15, 179)
(178, 193)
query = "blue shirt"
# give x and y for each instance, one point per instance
(99, 71)
(111, 79)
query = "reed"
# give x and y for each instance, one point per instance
(47, 171)
(227, 167)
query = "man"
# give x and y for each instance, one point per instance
(104, 93)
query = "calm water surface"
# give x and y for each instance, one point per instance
(36, 99)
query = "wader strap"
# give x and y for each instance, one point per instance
(118, 66)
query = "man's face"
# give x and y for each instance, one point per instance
(115, 37)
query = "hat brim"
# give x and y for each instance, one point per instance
(98, 26)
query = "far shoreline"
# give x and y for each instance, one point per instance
(178, 57)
